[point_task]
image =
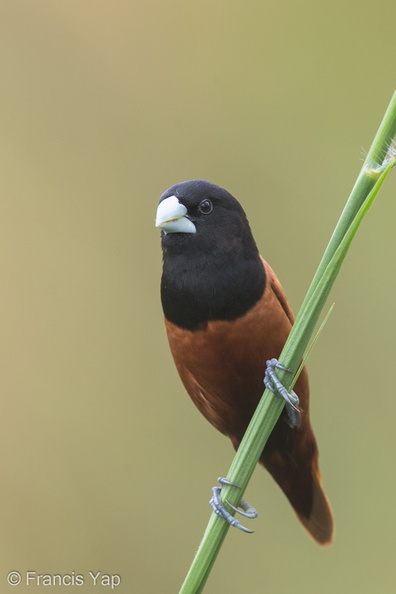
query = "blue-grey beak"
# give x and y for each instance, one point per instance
(171, 217)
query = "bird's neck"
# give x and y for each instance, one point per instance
(197, 290)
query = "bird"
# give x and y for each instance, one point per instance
(226, 317)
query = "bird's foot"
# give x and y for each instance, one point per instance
(273, 383)
(218, 506)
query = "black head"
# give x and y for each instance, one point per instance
(212, 268)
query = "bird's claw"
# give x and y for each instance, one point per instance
(245, 509)
(273, 383)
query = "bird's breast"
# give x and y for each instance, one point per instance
(222, 364)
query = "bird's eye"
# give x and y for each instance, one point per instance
(205, 206)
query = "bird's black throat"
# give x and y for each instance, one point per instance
(199, 285)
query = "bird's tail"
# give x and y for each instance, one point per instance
(302, 487)
(319, 520)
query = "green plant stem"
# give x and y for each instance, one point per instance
(366, 188)
(374, 158)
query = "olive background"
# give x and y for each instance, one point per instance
(105, 463)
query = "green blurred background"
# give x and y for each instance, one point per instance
(105, 463)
